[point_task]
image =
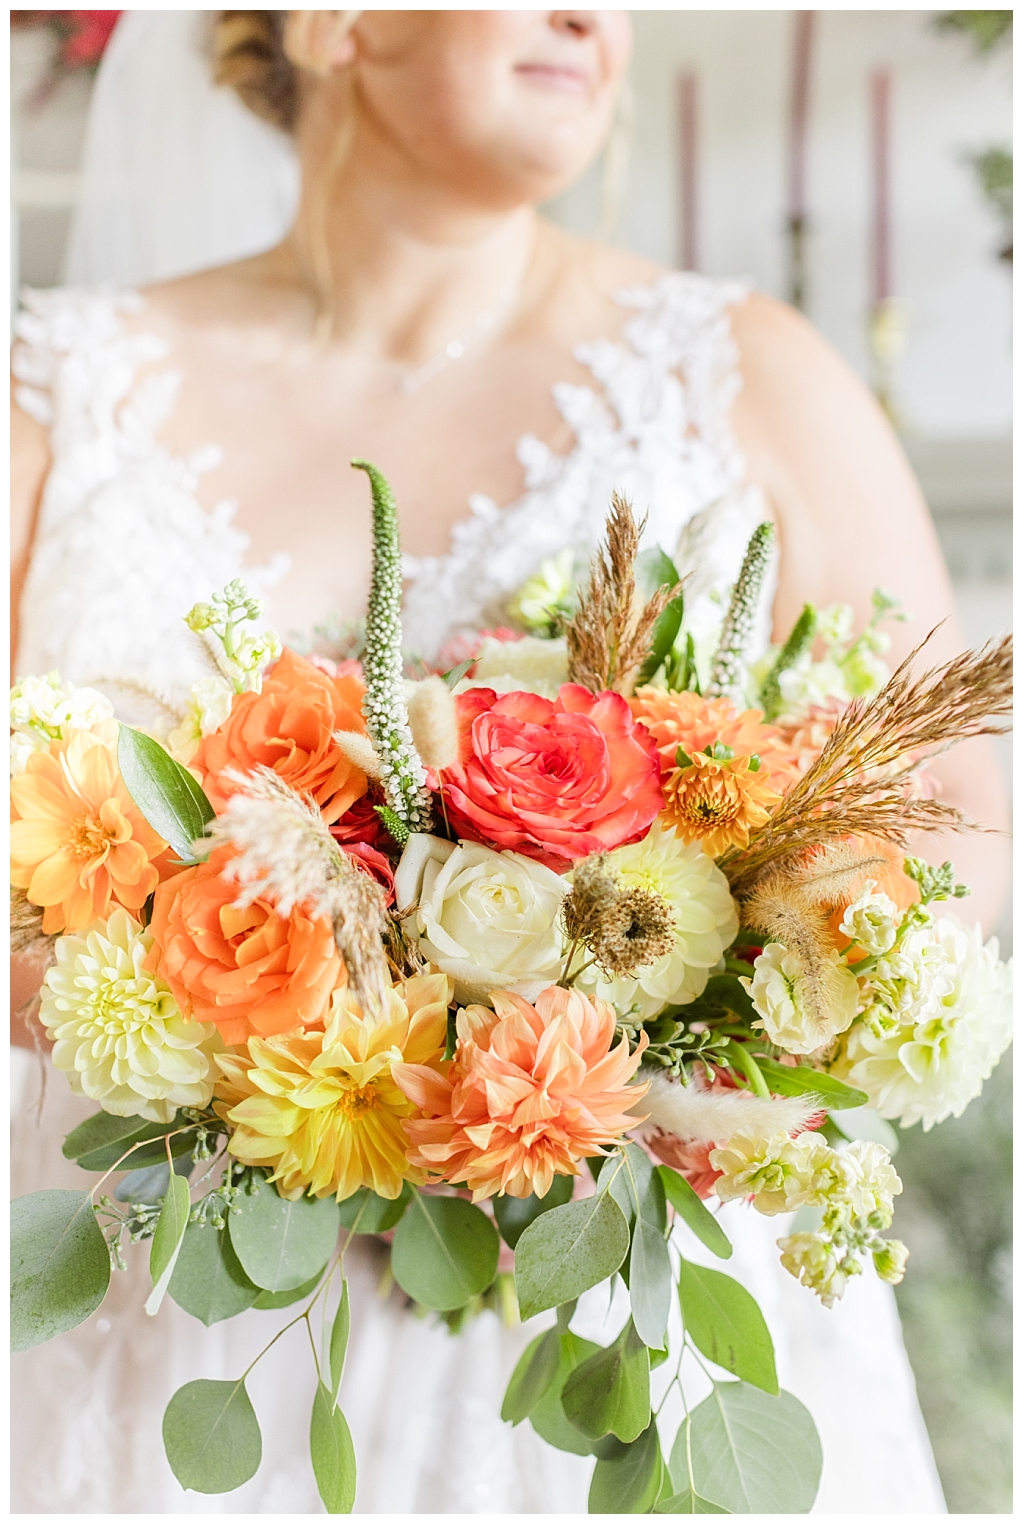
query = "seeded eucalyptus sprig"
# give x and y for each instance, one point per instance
(403, 775)
(728, 671)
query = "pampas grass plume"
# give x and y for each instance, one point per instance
(697, 1115)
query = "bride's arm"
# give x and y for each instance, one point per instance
(30, 461)
(850, 516)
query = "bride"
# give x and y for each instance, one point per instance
(506, 377)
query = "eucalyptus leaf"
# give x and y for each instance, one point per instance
(444, 1251)
(628, 1480)
(537, 1368)
(208, 1280)
(632, 1180)
(568, 1250)
(650, 1282)
(282, 1244)
(101, 1142)
(270, 1301)
(726, 1325)
(515, 1213)
(339, 1340)
(693, 1212)
(60, 1265)
(749, 1452)
(148, 1186)
(167, 1240)
(789, 1079)
(688, 1502)
(610, 1392)
(332, 1453)
(165, 792)
(211, 1436)
(548, 1417)
(366, 1212)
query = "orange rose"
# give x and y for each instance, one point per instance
(78, 841)
(251, 971)
(290, 727)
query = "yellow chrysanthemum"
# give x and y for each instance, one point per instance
(717, 801)
(118, 1032)
(322, 1108)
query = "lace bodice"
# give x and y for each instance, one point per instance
(123, 546)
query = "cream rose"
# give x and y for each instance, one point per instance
(530, 665)
(488, 919)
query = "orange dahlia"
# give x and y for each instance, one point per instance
(78, 841)
(717, 801)
(530, 1092)
(694, 723)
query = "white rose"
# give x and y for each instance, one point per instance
(488, 919)
(778, 992)
(530, 665)
(871, 921)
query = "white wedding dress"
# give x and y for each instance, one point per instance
(123, 548)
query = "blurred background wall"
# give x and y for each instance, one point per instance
(886, 136)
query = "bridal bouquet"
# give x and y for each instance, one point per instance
(527, 964)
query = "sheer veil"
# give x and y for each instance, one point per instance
(177, 174)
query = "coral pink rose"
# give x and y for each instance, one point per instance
(555, 781)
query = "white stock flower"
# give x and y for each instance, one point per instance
(209, 705)
(935, 1062)
(907, 985)
(706, 921)
(488, 919)
(529, 665)
(43, 709)
(812, 1259)
(118, 1033)
(778, 1172)
(871, 921)
(890, 1261)
(778, 990)
(859, 1180)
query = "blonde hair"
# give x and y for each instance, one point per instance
(249, 57)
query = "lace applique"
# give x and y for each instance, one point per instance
(657, 430)
(123, 547)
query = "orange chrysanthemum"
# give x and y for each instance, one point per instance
(694, 723)
(717, 801)
(78, 841)
(532, 1090)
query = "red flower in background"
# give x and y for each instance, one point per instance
(83, 37)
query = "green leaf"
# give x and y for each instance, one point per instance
(269, 1301)
(548, 1417)
(282, 1244)
(863, 1122)
(332, 1453)
(610, 1392)
(725, 989)
(148, 1186)
(167, 1239)
(444, 1251)
(566, 1251)
(688, 1502)
(650, 1282)
(208, 1280)
(654, 569)
(726, 1325)
(101, 1141)
(536, 1370)
(211, 1436)
(631, 1179)
(339, 1340)
(750, 1453)
(662, 640)
(60, 1265)
(165, 792)
(366, 1212)
(628, 1480)
(787, 1079)
(515, 1213)
(693, 1212)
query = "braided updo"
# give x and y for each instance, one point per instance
(249, 57)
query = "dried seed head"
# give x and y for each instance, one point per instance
(624, 929)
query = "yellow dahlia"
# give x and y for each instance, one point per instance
(322, 1109)
(717, 801)
(118, 1032)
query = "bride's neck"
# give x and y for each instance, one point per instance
(402, 264)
